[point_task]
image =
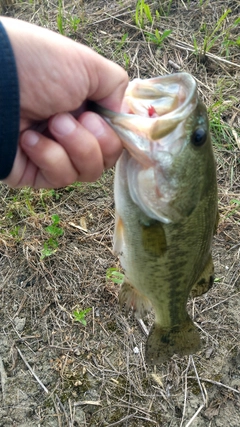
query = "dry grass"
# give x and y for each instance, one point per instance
(95, 375)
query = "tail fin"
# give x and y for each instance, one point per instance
(162, 343)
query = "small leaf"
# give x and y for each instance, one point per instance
(55, 219)
(79, 316)
(114, 276)
(166, 33)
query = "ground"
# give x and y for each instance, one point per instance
(56, 371)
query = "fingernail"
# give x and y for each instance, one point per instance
(94, 124)
(30, 138)
(63, 124)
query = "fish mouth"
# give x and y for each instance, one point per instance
(153, 117)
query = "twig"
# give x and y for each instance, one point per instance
(174, 65)
(93, 320)
(21, 306)
(191, 360)
(206, 394)
(220, 302)
(185, 392)
(195, 415)
(123, 419)
(147, 419)
(3, 378)
(62, 407)
(184, 5)
(185, 46)
(143, 327)
(88, 402)
(236, 138)
(218, 384)
(112, 16)
(32, 372)
(111, 365)
(58, 414)
(198, 379)
(71, 412)
(78, 227)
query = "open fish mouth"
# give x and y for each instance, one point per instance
(154, 115)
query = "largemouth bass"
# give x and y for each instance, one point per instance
(166, 207)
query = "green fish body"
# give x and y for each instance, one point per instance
(166, 208)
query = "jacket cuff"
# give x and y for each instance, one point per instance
(9, 105)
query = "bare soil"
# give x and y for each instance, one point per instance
(55, 371)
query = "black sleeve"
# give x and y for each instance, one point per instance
(9, 105)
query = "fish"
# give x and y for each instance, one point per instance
(166, 204)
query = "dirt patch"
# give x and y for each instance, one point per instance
(57, 372)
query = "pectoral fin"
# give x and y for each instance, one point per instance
(118, 235)
(133, 299)
(205, 281)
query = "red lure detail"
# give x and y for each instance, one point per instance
(151, 111)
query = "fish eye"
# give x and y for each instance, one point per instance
(199, 137)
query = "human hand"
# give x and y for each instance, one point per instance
(56, 77)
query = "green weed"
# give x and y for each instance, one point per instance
(49, 248)
(212, 37)
(46, 195)
(115, 276)
(60, 18)
(142, 14)
(220, 133)
(127, 60)
(229, 40)
(157, 15)
(73, 186)
(120, 46)
(220, 130)
(158, 38)
(54, 228)
(74, 22)
(21, 204)
(236, 207)
(123, 40)
(51, 245)
(15, 231)
(164, 10)
(79, 315)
